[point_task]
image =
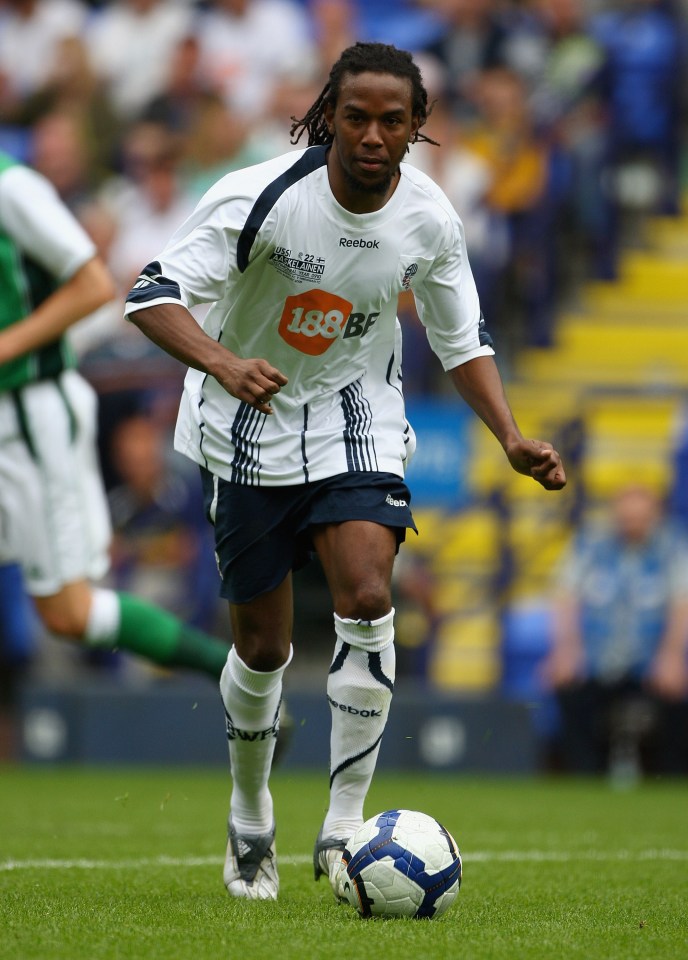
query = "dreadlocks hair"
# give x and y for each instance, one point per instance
(363, 58)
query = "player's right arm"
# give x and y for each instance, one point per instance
(47, 233)
(172, 327)
(89, 288)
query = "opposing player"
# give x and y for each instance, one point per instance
(294, 410)
(53, 512)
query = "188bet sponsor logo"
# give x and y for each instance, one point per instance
(312, 321)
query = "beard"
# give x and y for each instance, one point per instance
(370, 189)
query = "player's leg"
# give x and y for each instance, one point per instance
(66, 543)
(251, 688)
(17, 646)
(254, 533)
(357, 557)
(105, 619)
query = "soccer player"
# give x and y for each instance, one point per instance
(53, 512)
(294, 410)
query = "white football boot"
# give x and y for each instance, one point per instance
(251, 866)
(327, 861)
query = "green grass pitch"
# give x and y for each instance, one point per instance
(121, 863)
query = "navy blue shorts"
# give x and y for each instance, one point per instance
(261, 533)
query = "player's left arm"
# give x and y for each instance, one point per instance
(668, 673)
(88, 288)
(479, 383)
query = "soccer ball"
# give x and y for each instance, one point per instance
(401, 863)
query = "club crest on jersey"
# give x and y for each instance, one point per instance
(411, 271)
(313, 320)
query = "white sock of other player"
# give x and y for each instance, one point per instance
(252, 702)
(359, 688)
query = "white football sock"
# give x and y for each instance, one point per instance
(252, 702)
(102, 626)
(359, 688)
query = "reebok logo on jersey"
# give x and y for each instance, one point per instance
(312, 321)
(395, 503)
(359, 242)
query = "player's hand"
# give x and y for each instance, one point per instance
(563, 666)
(254, 381)
(668, 674)
(539, 460)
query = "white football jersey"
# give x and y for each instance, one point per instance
(296, 279)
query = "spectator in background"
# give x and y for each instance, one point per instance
(466, 178)
(217, 141)
(60, 151)
(619, 662)
(335, 25)
(162, 546)
(518, 162)
(149, 201)
(132, 45)
(569, 110)
(31, 36)
(144, 205)
(473, 40)
(184, 91)
(248, 47)
(644, 86)
(413, 24)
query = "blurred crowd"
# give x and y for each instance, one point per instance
(555, 118)
(561, 125)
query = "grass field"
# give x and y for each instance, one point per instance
(127, 864)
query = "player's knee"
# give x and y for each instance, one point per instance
(64, 624)
(262, 655)
(368, 601)
(65, 620)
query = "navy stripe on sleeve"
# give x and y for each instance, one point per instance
(151, 285)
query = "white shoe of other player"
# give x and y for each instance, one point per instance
(251, 866)
(327, 861)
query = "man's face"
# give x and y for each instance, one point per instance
(637, 512)
(372, 124)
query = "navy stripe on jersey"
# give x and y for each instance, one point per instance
(313, 158)
(151, 285)
(484, 335)
(201, 427)
(388, 378)
(358, 441)
(303, 442)
(246, 430)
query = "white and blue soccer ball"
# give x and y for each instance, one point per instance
(402, 863)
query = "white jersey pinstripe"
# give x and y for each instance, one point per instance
(295, 278)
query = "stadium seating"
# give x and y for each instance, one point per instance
(609, 393)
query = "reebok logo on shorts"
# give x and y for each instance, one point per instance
(395, 503)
